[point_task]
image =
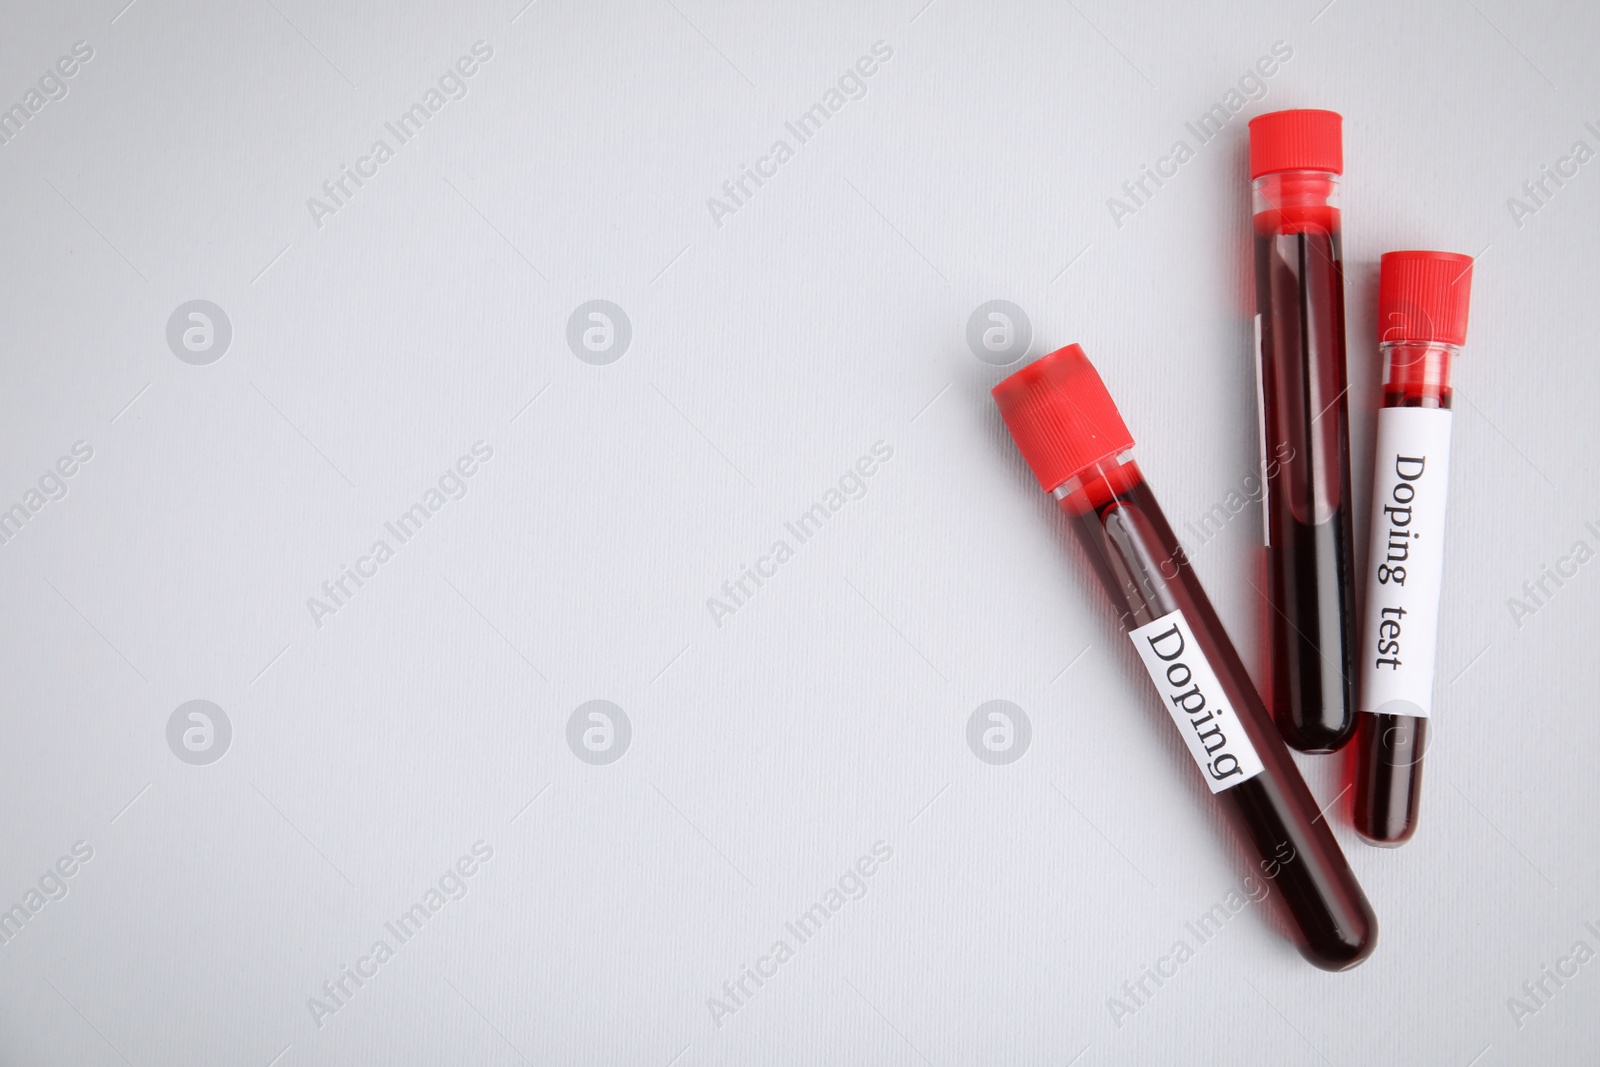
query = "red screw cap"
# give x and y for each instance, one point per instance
(1296, 140)
(1423, 296)
(1060, 415)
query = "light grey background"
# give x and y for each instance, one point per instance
(768, 353)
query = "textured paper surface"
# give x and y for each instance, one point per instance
(930, 665)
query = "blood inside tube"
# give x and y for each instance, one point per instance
(1139, 561)
(1300, 296)
(1304, 279)
(1419, 377)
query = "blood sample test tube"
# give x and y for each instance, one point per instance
(1422, 323)
(1069, 431)
(1296, 158)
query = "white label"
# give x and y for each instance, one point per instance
(1405, 560)
(1194, 698)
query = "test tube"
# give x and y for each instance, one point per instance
(1069, 431)
(1296, 159)
(1422, 324)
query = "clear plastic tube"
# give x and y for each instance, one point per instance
(1422, 312)
(1304, 425)
(1067, 427)
(1390, 744)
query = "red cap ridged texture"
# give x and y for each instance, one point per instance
(1423, 296)
(1296, 140)
(1060, 415)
